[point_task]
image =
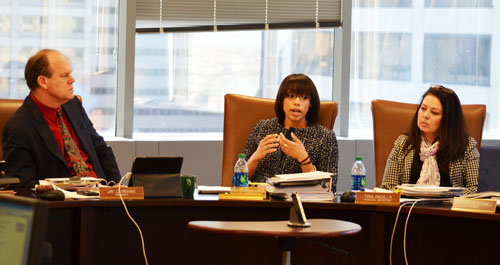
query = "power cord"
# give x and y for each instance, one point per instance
(394, 229)
(406, 225)
(132, 219)
(330, 247)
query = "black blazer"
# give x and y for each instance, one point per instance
(32, 153)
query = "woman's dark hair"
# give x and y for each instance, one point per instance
(299, 85)
(452, 136)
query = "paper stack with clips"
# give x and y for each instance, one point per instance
(429, 191)
(311, 186)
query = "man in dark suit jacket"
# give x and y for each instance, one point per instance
(33, 141)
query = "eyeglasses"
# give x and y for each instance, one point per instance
(293, 96)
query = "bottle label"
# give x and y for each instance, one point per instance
(240, 179)
(358, 182)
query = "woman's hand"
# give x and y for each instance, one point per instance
(267, 145)
(293, 148)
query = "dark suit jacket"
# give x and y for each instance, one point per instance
(32, 153)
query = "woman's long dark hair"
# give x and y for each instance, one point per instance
(302, 85)
(452, 136)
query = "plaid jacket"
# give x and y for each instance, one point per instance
(463, 171)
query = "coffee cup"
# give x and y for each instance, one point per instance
(188, 186)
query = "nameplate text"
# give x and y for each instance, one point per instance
(128, 193)
(474, 205)
(379, 198)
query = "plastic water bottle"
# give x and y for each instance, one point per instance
(240, 176)
(358, 175)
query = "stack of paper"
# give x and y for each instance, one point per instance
(414, 190)
(70, 188)
(311, 186)
(213, 189)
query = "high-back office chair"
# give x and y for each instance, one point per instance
(7, 108)
(391, 119)
(241, 113)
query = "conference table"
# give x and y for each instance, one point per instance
(99, 232)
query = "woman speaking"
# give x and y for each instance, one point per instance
(310, 146)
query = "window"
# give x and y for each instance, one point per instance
(83, 30)
(389, 52)
(384, 3)
(452, 46)
(458, 3)
(181, 78)
(457, 59)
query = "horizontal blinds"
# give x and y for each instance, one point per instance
(192, 15)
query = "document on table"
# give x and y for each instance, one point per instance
(71, 194)
(300, 177)
(213, 189)
(414, 190)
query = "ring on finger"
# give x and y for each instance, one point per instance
(285, 145)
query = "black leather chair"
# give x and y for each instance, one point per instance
(489, 169)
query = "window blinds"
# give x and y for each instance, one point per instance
(199, 15)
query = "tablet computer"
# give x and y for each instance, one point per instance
(159, 176)
(157, 165)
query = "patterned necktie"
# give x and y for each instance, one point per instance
(80, 167)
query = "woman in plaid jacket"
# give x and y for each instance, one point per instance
(437, 150)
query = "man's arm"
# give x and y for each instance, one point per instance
(104, 152)
(18, 155)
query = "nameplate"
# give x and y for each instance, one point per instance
(379, 198)
(7, 192)
(474, 205)
(241, 197)
(128, 193)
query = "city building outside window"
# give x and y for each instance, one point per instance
(399, 50)
(83, 30)
(181, 78)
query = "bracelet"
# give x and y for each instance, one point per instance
(303, 160)
(303, 164)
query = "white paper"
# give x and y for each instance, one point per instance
(213, 189)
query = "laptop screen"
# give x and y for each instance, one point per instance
(22, 230)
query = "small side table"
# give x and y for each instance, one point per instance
(287, 236)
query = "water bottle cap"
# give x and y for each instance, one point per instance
(241, 155)
(359, 158)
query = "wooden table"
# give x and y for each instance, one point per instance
(287, 235)
(100, 233)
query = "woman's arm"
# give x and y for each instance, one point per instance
(296, 150)
(328, 154)
(267, 145)
(471, 167)
(392, 172)
(258, 146)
